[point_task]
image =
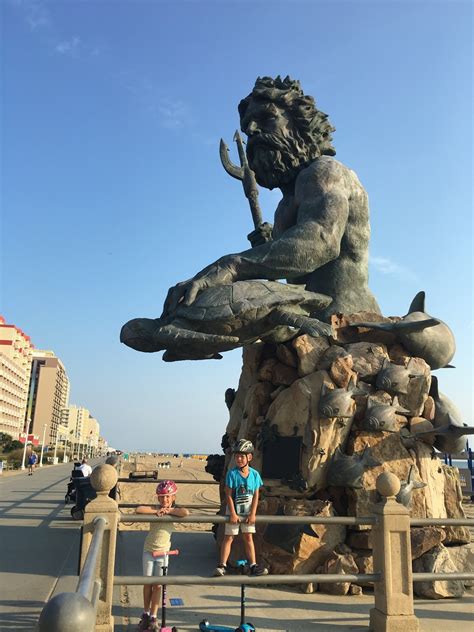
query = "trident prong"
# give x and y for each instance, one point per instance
(244, 174)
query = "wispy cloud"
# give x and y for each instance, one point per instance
(39, 18)
(390, 268)
(173, 114)
(36, 13)
(69, 47)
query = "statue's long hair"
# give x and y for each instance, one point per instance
(311, 126)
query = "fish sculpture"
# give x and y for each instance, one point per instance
(407, 487)
(338, 402)
(450, 438)
(449, 428)
(421, 335)
(347, 471)
(383, 416)
(394, 378)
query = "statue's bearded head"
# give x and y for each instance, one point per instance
(285, 130)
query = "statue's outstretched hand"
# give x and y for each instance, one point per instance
(219, 273)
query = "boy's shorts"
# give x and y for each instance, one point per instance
(233, 529)
(153, 566)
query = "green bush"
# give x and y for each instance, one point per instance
(7, 443)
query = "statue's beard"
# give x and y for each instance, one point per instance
(275, 160)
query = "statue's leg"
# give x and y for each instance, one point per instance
(311, 326)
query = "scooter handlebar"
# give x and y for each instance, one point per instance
(163, 553)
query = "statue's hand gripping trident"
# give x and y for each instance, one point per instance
(263, 230)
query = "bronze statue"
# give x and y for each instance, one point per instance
(321, 232)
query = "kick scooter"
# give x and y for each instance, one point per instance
(205, 626)
(164, 603)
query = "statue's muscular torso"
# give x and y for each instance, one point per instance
(330, 193)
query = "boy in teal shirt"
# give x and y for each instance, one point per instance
(242, 485)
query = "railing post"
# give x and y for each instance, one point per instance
(393, 610)
(103, 479)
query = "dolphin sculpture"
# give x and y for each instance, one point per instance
(449, 438)
(421, 335)
(338, 402)
(346, 471)
(447, 422)
(383, 416)
(407, 487)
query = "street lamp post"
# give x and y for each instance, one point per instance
(42, 445)
(56, 447)
(27, 427)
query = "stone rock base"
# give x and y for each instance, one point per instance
(326, 420)
(437, 560)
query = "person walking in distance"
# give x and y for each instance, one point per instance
(242, 486)
(157, 540)
(32, 459)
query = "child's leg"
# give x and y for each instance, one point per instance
(155, 600)
(147, 591)
(148, 566)
(226, 547)
(249, 547)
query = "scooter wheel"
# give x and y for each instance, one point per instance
(204, 624)
(77, 514)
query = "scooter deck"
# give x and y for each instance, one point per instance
(205, 626)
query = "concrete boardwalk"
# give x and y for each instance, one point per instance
(39, 545)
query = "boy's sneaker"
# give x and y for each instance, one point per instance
(153, 626)
(144, 622)
(256, 570)
(220, 571)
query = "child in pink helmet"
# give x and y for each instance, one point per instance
(158, 539)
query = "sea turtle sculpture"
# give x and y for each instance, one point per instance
(229, 316)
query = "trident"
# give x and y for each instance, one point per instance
(245, 174)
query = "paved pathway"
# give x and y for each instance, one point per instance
(39, 544)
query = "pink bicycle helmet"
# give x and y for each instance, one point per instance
(166, 488)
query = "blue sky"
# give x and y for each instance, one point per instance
(112, 188)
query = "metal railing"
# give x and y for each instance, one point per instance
(64, 608)
(391, 548)
(292, 579)
(178, 481)
(200, 519)
(178, 506)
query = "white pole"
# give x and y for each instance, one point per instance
(42, 445)
(27, 427)
(65, 449)
(55, 447)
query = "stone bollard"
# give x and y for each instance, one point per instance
(103, 479)
(393, 594)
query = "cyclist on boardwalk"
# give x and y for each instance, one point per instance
(159, 540)
(242, 484)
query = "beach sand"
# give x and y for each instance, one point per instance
(193, 494)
